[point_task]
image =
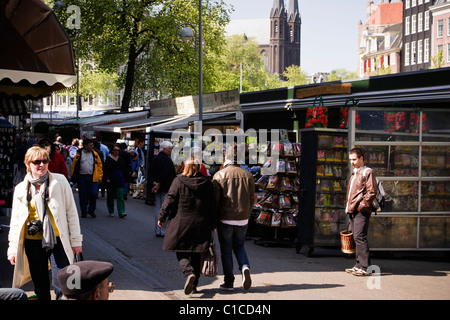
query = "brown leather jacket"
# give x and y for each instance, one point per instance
(234, 189)
(361, 191)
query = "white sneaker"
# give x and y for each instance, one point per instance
(246, 279)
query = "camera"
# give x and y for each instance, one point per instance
(34, 227)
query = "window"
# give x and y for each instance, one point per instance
(407, 4)
(407, 25)
(427, 20)
(440, 28)
(393, 59)
(420, 22)
(448, 26)
(413, 52)
(448, 52)
(407, 54)
(420, 51)
(419, 1)
(413, 3)
(426, 50)
(413, 24)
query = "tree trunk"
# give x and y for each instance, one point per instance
(129, 80)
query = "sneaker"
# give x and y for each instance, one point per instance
(360, 273)
(351, 270)
(189, 284)
(123, 215)
(246, 279)
(226, 287)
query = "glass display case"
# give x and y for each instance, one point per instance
(323, 181)
(409, 149)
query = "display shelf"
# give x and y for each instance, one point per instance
(278, 198)
(323, 175)
(415, 176)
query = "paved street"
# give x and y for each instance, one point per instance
(143, 271)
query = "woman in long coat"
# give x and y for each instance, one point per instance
(192, 214)
(46, 197)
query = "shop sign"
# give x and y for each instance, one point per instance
(344, 88)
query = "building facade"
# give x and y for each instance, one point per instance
(440, 12)
(417, 33)
(380, 39)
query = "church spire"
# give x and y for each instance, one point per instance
(293, 12)
(277, 8)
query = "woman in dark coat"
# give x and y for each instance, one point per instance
(192, 214)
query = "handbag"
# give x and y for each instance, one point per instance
(209, 261)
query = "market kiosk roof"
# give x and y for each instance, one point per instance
(163, 123)
(408, 87)
(36, 56)
(107, 118)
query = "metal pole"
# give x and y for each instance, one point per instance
(200, 68)
(78, 71)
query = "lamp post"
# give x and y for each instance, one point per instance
(187, 33)
(73, 22)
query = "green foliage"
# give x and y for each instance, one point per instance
(341, 74)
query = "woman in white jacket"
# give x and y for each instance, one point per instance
(43, 202)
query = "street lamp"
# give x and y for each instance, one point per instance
(186, 33)
(73, 22)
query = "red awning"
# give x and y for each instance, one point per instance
(36, 56)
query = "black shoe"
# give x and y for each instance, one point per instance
(92, 214)
(83, 214)
(189, 284)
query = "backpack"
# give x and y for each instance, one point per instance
(379, 202)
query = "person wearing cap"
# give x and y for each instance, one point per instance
(162, 171)
(86, 280)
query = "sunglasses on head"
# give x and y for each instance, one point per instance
(38, 162)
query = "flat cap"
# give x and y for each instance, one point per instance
(81, 277)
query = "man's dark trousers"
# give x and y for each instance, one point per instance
(359, 223)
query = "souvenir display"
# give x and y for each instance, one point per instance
(278, 199)
(7, 151)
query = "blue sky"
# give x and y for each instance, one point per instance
(329, 30)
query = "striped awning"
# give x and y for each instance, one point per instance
(36, 56)
(12, 106)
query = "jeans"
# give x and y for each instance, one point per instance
(232, 239)
(118, 194)
(159, 199)
(38, 261)
(359, 224)
(88, 192)
(190, 264)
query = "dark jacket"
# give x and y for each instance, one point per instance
(361, 192)
(117, 172)
(162, 170)
(234, 190)
(192, 213)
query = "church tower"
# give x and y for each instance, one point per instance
(285, 26)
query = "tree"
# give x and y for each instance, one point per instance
(138, 39)
(437, 61)
(341, 74)
(294, 76)
(239, 56)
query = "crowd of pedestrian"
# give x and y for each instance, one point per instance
(190, 207)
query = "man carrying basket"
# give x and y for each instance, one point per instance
(361, 192)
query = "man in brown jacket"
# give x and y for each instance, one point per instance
(361, 192)
(234, 190)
